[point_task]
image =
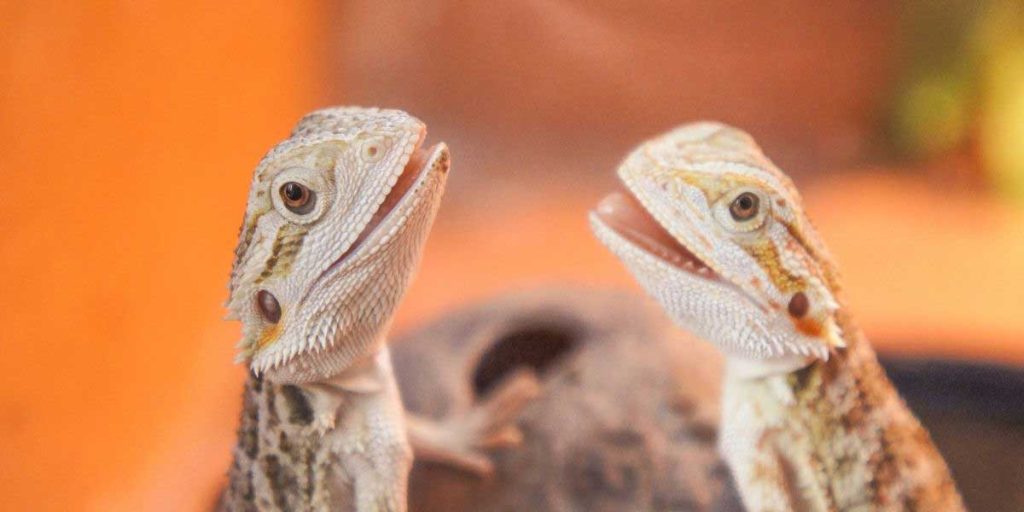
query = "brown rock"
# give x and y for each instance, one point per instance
(626, 419)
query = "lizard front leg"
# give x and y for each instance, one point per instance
(459, 440)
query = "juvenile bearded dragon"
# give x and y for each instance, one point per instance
(810, 422)
(336, 220)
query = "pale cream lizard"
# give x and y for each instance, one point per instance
(336, 220)
(810, 422)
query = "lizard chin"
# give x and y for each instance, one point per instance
(624, 214)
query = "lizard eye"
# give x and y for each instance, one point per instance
(743, 211)
(297, 197)
(745, 206)
(300, 194)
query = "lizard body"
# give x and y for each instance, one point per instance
(335, 223)
(810, 422)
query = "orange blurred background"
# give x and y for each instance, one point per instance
(128, 132)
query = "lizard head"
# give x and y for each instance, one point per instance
(336, 219)
(715, 233)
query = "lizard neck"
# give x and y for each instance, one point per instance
(278, 455)
(831, 435)
(285, 458)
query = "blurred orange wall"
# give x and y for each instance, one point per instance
(128, 132)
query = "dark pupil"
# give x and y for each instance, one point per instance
(297, 197)
(744, 207)
(293, 192)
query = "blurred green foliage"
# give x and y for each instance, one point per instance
(963, 83)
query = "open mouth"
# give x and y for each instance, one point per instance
(624, 214)
(415, 169)
(414, 173)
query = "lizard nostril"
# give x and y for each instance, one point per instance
(268, 306)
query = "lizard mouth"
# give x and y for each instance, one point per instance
(421, 164)
(413, 174)
(623, 213)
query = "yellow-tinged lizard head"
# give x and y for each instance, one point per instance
(336, 219)
(715, 232)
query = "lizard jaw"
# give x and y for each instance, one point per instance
(412, 174)
(402, 196)
(695, 300)
(624, 214)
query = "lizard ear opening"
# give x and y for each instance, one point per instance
(538, 347)
(798, 305)
(268, 306)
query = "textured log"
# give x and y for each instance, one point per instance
(626, 420)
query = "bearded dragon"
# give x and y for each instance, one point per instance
(336, 220)
(717, 235)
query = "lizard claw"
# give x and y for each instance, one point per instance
(505, 438)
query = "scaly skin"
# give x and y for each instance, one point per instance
(716, 234)
(335, 224)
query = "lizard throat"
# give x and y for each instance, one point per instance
(622, 212)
